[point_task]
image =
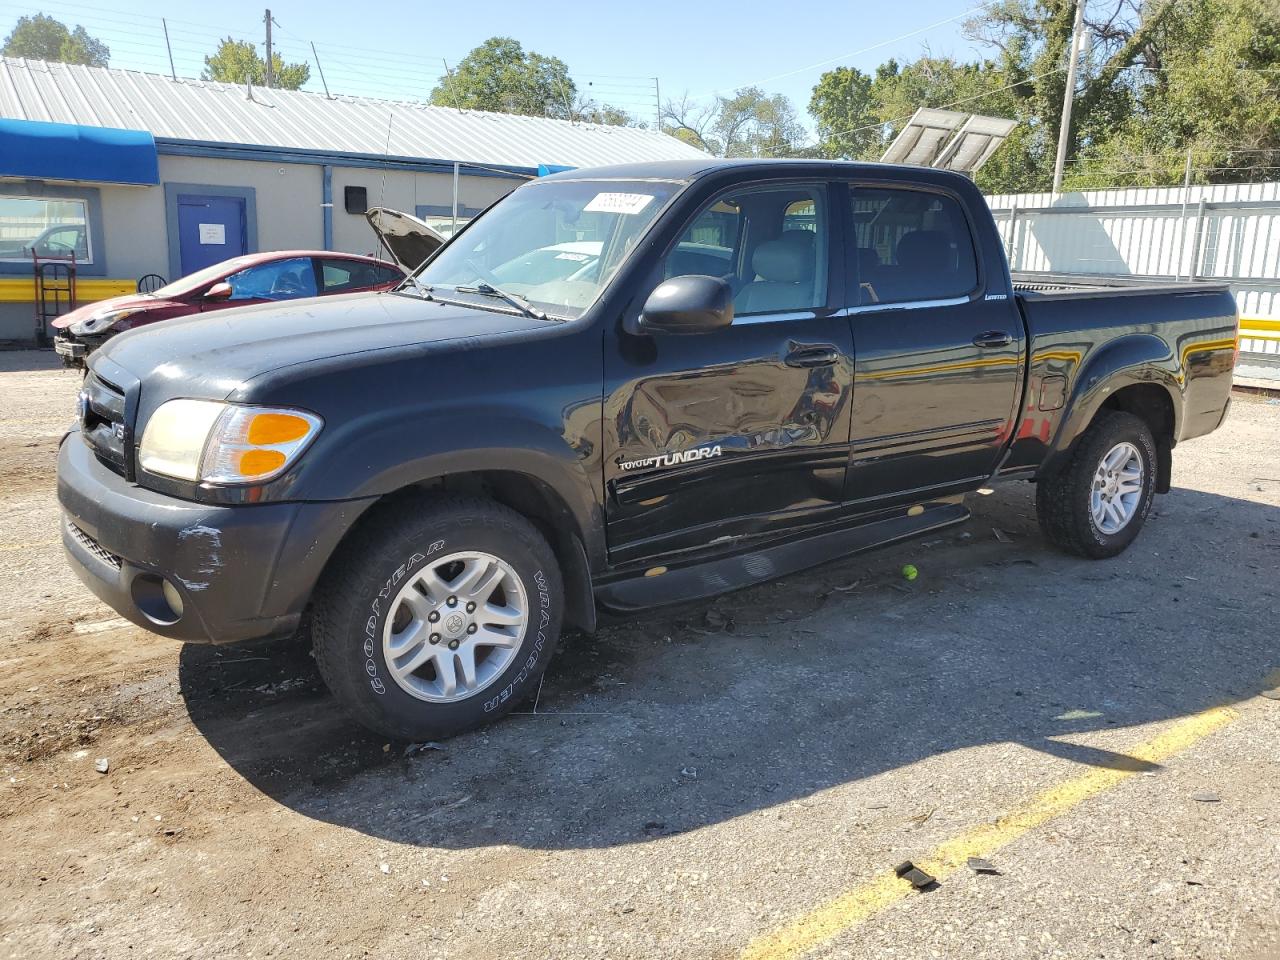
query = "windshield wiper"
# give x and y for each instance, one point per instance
(520, 303)
(421, 287)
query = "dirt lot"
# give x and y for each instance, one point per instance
(738, 778)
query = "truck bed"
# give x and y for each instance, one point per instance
(1074, 286)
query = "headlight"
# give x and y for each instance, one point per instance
(212, 442)
(99, 322)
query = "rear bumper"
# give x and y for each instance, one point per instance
(236, 572)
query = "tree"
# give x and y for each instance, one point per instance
(610, 116)
(1211, 85)
(848, 114)
(500, 76)
(750, 123)
(44, 38)
(237, 61)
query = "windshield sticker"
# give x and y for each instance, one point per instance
(628, 203)
(575, 257)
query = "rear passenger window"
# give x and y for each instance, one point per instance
(339, 276)
(911, 245)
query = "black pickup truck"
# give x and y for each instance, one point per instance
(617, 388)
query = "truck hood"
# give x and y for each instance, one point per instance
(214, 353)
(409, 240)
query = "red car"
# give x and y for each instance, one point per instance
(253, 278)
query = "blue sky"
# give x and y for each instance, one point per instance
(396, 48)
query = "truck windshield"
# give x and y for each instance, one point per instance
(554, 244)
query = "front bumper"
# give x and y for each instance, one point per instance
(237, 572)
(71, 351)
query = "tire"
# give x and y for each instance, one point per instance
(397, 571)
(1064, 502)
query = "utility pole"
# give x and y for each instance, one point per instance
(657, 99)
(270, 58)
(321, 69)
(1064, 132)
(172, 72)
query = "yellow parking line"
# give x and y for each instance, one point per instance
(853, 907)
(31, 545)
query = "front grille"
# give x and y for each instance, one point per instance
(93, 546)
(102, 421)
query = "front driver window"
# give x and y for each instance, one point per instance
(278, 280)
(770, 244)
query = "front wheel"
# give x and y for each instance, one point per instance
(1096, 505)
(439, 616)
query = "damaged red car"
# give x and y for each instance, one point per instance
(241, 281)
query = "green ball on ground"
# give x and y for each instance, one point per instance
(909, 572)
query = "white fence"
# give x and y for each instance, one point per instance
(1228, 233)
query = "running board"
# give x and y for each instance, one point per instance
(660, 586)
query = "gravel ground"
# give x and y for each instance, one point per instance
(689, 783)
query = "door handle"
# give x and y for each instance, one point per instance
(814, 355)
(992, 338)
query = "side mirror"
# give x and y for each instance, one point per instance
(681, 305)
(219, 291)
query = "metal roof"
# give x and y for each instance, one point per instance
(203, 111)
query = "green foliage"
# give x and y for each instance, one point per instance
(237, 61)
(43, 38)
(1160, 77)
(1213, 88)
(500, 76)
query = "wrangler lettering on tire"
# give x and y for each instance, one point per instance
(453, 636)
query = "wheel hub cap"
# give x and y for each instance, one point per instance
(1117, 488)
(455, 626)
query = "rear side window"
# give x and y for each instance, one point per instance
(911, 245)
(339, 276)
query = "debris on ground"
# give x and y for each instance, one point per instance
(413, 749)
(715, 620)
(102, 765)
(920, 819)
(909, 872)
(1206, 796)
(979, 865)
(689, 773)
(282, 687)
(1001, 535)
(847, 587)
(384, 867)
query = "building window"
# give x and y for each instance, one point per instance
(52, 227)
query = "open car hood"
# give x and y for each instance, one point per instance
(406, 238)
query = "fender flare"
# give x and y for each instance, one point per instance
(375, 456)
(1131, 360)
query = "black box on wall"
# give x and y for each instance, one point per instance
(356, 199)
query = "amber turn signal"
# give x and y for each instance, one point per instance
(266, 429)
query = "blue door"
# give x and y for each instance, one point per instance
(210, 230)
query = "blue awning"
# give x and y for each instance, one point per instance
(62, 151)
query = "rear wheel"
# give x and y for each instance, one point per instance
(440, 616)
(1096, 505)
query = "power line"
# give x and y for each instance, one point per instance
(945, 106)
(854, 53)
